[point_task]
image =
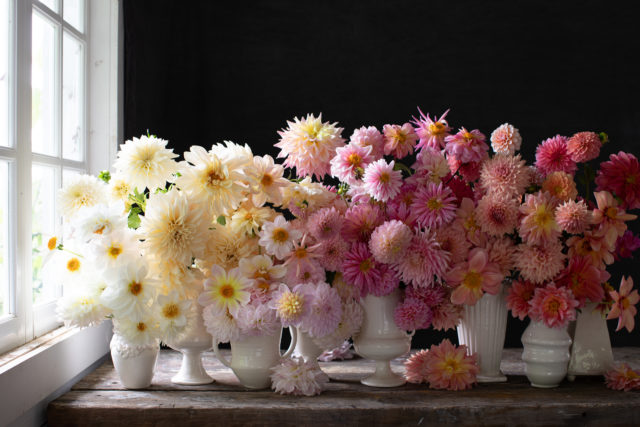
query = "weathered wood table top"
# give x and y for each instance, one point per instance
(99, 399)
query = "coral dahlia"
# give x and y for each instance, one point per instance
(450, 368)
(584, 146)
(506, 139)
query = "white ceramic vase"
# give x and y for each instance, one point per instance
(135, 365)
(546, 354)
(482, 329)
(307, 348)
(591, 350)
(192, 345)
(252, 358)
(381, 340)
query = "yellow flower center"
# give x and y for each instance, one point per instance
(301, 253)
(100, 229)
(434, 204)
(553, 306)
(227, 291)
(85, 301)
(354, 159)
(266, 180)
(280, 235)
(631, 179)
(52, 243)
(141, 326)
(543, 218)
(290, 305)
(468, 136)
(385, 177)
(170, 310)
(451, 366)
(73, 265)
(437, 128)
(263, 285)
(611, 212)
(625, 303)
(472, 280)
(366, 265)
(135, 287)
(114, 251)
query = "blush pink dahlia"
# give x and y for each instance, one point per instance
(467, 146)
(553, 306)
(584, 279)
(360, 269)
(584, 146)
(416, 367)
(505, 174)
(506, 139)
(497, 214)
(399, 141)
(560, 185)
(471, 279)
(325, 310)
(625, 245)
(450, 368)
(381, 181)
(552, 156)
(518, 297)
(624, 305)
(332, 253)
(446, 315)
(621, 176)
(434, 206)
(431, 295)
(423, 260)
(412, 314)
(573, 217)
(453, 239)
(369, 137)
(538, 224)
(389, 241)
(622, 377)
(360, 221)
(432, 132)
(297, 377)
(325, 223)
(502, 252)
(350, 161)
(539, 263)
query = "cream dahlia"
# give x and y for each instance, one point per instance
(146, 162)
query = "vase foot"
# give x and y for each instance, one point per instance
(497, 378)
(199, 380)
(544, 385)
(392, 380)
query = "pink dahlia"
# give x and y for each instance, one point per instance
(303, 256)
(497, 214)
(584, 146)
(622, 377)
(505, 174)
(325, 223)
(381, 181)
(466, 217)
(471, 279)
(350, 161)
(399, 141)
(584, 279)
(552, 156)
(593, 245)
(412, 314)
(369, 137)
(360, 221)
(332, 253)
(624, 303)
(416, 367)
(610, 218)
(625, 245)
(390, 241)
(423, 260)
(431, 295)
(308, 144)
(325, 310)
(454, 240)
(621, 176)
(446, 315)
(432, 132)
(554, 306)
(538, 224)
(434, 206)
(389, 281)
(573, 217)
(506, 139)
(561, 186)
(539, 263)
(450, 368)
(502, 251)
(467, 146)
(518, 297)
(360, 268)
(297, 377)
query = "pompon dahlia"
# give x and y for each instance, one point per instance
(308, 144)
(446, 315)
(561, 186)
(450, 368)
(423, 260)
(325, 310)
(432, 132)
(552, 156)
(369, 137)
(325, 223)
(389, 241)
(412, 314)
(381, 181)
(624, 303)
(416, 367)
(518, 297)
(620, 175)
(332, 253)
(471, 279)
(573, 217)
(360, 221)
(434, 206)
(506, 139)
(350, 161)
(291, 305)
(297, 377)
(467, 146)
(539, 263)
(497, 214)
(399, 141)
(622, 377)
(505, 174)
(454, 240)
(360, 268)
(554, 306)
(584, 279)
(538, 224)
(584, 146)
(625, 245)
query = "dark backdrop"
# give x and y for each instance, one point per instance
(199, 72)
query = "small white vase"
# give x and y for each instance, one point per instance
(192, 345)
(381, 340)
(252, 358)
(591, 350)
(135, 365)
(307, 348)
(546, 354)
(482, 329)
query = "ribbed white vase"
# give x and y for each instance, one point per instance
(482, 329)
(591, 350)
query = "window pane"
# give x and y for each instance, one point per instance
(51, 4)
(43, 226)
(4, 238)
(74, 13)
(72, 97)
(67, 174)
(4, 73)
(43, 99)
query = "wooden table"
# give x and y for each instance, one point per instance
(99, 399)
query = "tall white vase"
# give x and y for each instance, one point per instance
(546, 354)
(135, 365)
(192, 345)
(307, 348)
(381, 340)
(591, 350)
(482, 329)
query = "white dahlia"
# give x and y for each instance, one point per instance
(175, 314)
(226, 248)
(278, 237)
(267, 181)
(82, 307)
(115, 249)
(80, 192)
(146, 162)
(143, 331)
(130, 292)
(99, 220)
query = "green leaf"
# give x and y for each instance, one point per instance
(105, 176)
(133, 220)
(221, 220)
(402, 167)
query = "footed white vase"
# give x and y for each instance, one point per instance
(135, 365)
(192, 345)
(381, 340)
(546, 354)
(591, 350)
(307, 348)
(252, 358)
(482, 329)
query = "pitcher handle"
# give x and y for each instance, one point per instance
(219, 355)
(410, 334)
(294, 340)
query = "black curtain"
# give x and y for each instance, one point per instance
(199, 72)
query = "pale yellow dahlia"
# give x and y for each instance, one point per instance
(266, 180)
(248, 219)
(146, 162)
(226, 248)
(81, 191)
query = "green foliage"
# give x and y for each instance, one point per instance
(105, 176)
(221, 220)
(133, 220)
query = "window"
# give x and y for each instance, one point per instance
(45, 116)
